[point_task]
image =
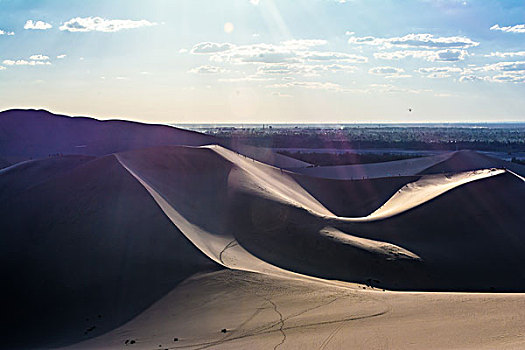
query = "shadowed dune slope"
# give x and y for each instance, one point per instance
(4, 163)
(24, 175)
(84, 251)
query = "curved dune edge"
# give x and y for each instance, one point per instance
(424, 190)
(277, 185)
(224, 250)
(272, 182)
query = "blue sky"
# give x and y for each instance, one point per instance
(266, 61)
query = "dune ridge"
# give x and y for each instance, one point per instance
(290, 208)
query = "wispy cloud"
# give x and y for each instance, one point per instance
(37, 25)
(309, 85)
(513, 72)
(292, 51)
(39, 57)
(439, 72)
(302, 69)
(428, 41)
(448, 55)
(207, 70)
(506, 54)
(208, 47)
(518, 28)
(25, 63)
(389, 72)
(99, 24)
(3, 32)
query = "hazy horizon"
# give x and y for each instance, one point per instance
(266, 61)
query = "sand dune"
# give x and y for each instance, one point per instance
(87, 242)
(262, 210)
(447, 162)
(471, 160)
(405, 167)
(37, 133)
(166, 242)
(33, 134)
(263, 312)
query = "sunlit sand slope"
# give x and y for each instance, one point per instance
(263, 312)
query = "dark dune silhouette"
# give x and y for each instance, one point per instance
(32, 134)
(28, 134)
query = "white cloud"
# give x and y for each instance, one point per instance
(302, 69)
(506, 54)
(516, 66)
(303, 44)
(3, 32)
(88, 24)
(518, 28)
(207, 48)
(61, 56)
(252, 77)
(508, 77)
(183, 50)
(37, 25)
(390, 89)
(439, 72)
(292, 51)
(470, 77)
(427, 41)
(448, 55)
(207, 70)
(388, 72)
(39, 58)
(25, 63)
(497, 72)
(2, 68)
(255, 2)
(275, 61)
(333, 56)
(309, 85)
